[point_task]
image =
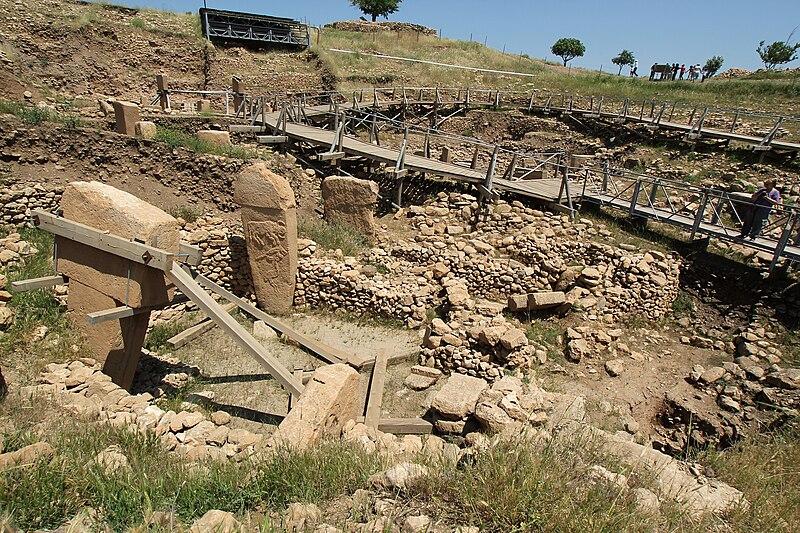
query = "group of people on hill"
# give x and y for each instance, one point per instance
(671, 72)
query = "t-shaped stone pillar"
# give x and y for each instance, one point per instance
(269, 218)
(100, 280)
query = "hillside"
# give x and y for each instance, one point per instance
(395, 349)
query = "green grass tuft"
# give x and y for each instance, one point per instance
(52, 491)
(180, 139)
(37, 115)
(334, 236)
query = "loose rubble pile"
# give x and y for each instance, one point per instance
(83, 390)
(751, 392)
(18, 202)
(365, 26)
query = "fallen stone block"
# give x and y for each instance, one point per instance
(126, 115)
(329, 400)
(545, 300)
(459, 396)
(145, 130)
(215, 137)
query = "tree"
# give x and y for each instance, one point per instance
(377, 8)
(624, 58)
(712, 66)
(568, 49)
(777, 53)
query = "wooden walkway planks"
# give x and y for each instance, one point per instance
(525, 103)
(687, 223)
(375, 398)
(546, 190)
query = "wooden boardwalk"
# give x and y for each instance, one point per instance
(554, 192)
(777, 248)
(652, 114)
(542, 190)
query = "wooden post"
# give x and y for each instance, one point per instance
(474, 164)
(788, 229)
(163, 91)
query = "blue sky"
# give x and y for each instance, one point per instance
(675, 31)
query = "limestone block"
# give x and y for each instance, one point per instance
(108, 209)
(518, 302)
(329, 400)
(458, 397)
(145, 130)
(545, 300)
(126, 115)
(204, 106)
(215, 137)
(269, 218)
(351, 202)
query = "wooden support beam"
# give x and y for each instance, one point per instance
(106, 242)
(123, 311)
(241, 128)
(375, 398)
(402, 426)
(272, 139)
(189, 334)
(325, 352)
(226, 322)
(37, 283)
(330, 156)
(190, 254)
(298, 375)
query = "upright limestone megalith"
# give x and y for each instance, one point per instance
(269, 217)
(126, 115)
(351, 202)
(100, 280)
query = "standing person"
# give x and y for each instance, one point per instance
(674, 71)
(635, 68)
(683, 70)
(763, 200)
(691, 73)
(652, 72)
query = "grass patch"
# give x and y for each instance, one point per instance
(683, 305)
(522, 486)
(767, 470)
(549, 335)
(334, 236)
(34, 309)
(180, 139)
(159, 334)
(31, 114)
(50, 492)
(136, 22)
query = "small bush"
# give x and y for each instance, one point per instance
(137, 23)
(334, 237)
(189, 213)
